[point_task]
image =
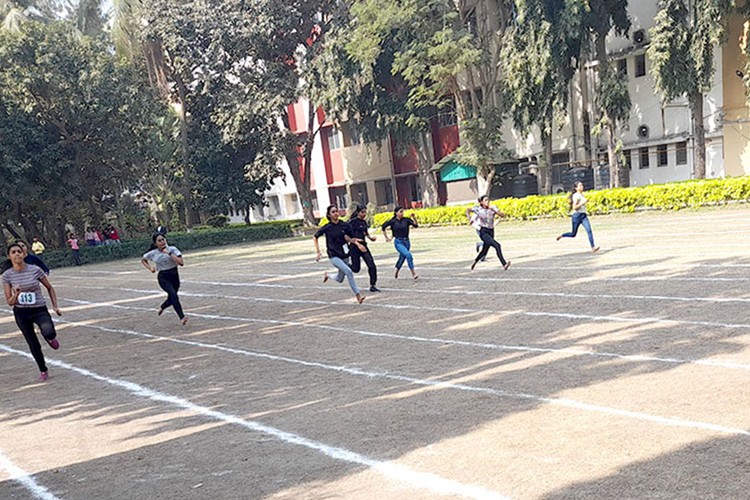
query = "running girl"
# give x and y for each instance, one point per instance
(485, 219)
(166, 259)
(400, 228)
(338, 238)
(360, 231)
(577, 202)
(22, 291)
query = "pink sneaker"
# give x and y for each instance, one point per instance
(54, 344)
(43, 376)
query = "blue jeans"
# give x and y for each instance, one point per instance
(581, 219)
(345, 270)
(403, 245)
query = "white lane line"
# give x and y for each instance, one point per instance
(373, 304)
(670, 421)
(391, 470)
(24, 478)
(501, 293)
(462, 343)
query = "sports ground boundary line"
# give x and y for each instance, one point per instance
(391, 470)
(20, 476)
(443, 341)
(373, 304)
(566, 402)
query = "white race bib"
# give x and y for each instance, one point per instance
(27, 298)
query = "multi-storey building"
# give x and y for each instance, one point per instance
(658, 140)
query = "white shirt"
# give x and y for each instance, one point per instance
(579, 198)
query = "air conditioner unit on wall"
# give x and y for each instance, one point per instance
(639, 37)
(643, 132)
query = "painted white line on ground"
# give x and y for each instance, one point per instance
(414, 338)
(670, 421)
(373, 304)
(501, 293)
(24, 478)
(394, 471)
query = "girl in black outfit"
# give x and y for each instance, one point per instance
(338, 241)
(360, 231)
(400, 228)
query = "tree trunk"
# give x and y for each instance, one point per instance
(699, 132)
(544, 175)
(426, 176)
(301, 170)
(611, 125)
(187, 191)
(585, 116)
(485, 176)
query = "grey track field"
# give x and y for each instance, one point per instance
(621, 374)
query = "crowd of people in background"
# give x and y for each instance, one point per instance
(95, 236)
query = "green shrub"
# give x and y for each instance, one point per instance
(219, 220)
(207, 237)
(673, 196)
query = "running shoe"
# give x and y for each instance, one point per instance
(43, 376)
(54, 344)
(373, 288)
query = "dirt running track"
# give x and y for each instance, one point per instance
(624, 374)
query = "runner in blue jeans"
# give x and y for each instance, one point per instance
(577, 202)
(338, 239)
(400, 228)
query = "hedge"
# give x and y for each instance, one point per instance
(184, 241)
(672, 196)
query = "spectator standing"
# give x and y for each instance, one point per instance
(38, 247)
(73, 244)
(90, 237)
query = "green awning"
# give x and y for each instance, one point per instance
(451, 170)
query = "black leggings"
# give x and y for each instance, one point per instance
(357, 258)
(487, 236)
(26, 317)
(169, 281)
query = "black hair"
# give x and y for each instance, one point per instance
(153, 240)
(7, 264)
(328, 210)
(358, 209)
(483, 197)
(395, 210)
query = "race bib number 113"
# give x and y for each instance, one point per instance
(27, 298)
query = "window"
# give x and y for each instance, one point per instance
(643, 152)
(414, 190)
(334, 141)
(622, 66)
(662, 158)
(384, 192)
(447, 119)
(628, 159)
(681, 153)
(339, 197)
(640, 65)
(352, 136)
(359, 194)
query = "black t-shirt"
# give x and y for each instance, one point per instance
(335, 242)
(359, 229)
(400, 228)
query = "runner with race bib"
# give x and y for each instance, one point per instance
(21, 284)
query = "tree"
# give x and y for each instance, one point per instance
(448, 54)
(613, 99)
(83, 118)
(682, 58)
(538, 64)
